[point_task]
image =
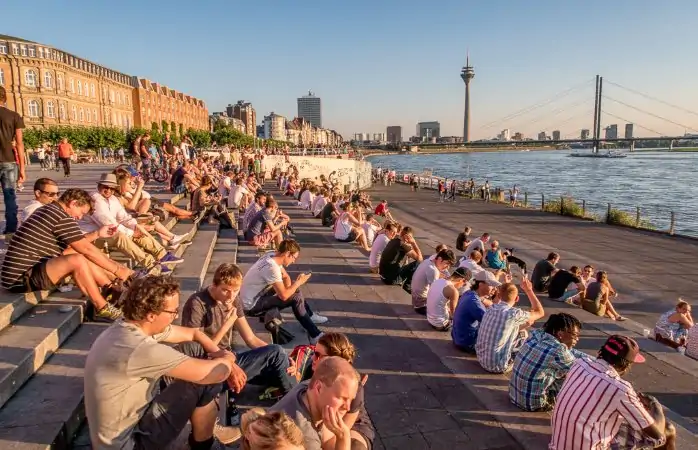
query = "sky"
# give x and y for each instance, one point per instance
(389, 62)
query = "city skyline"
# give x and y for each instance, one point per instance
(366, 68)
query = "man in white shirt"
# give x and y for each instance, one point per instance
(427, 272)
(370, 227)
(225, 184)
(319, 203)
(130, 238)
(238, 194)
(478, 244)
(307, 197)
(379, 243)
(268, 286)
(472, 263)
(45, 192)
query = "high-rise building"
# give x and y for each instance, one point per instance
(275, 127)
(467, 74)
(542, 136)
(428, 130)
(379, 137)
(505, 135)
(310, 109)
(584, 134)
(612, 131)
(244, 111)
(556, 135)
(518, 136)
(629, 130)
(394, 133)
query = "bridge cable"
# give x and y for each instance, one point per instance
(651, 98)
(628, 121)
(527, 109)
(685, 127)
(558, 125)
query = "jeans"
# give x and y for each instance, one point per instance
(66, 166)
(8, 178)
(297, 303)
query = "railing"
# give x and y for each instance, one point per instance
(649, 217)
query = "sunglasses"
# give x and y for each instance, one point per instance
(50, 194)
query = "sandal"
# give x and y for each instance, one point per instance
(620, 319)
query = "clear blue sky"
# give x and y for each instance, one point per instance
(389, 62)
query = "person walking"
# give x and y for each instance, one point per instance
(11, 166)
(65, 152)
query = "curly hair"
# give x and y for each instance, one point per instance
(264, 431)
(147, 296)
(79, 196)
(338, 344)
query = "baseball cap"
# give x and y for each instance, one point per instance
(487, 277)
(624, 347)
(132, 171)
(461, 272)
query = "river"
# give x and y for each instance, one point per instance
(659, 183)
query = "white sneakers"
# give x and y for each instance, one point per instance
(318, 319)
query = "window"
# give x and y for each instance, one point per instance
(41, 52)
(50, 109)
(72, 85)
(33, 108)
(128, 101)
(30, 78)
(79, 87)
(92, 89)
(87, 89)
(111, 96)
(74, 113)
(82, 115)
(94, 114)
(2, 77)
(15, 49)
(114, 118)
(89, 115)
(61, 111)
(48, 80)
(118, 97)
(32, 52)
(23, 49)
(128, 122)
(3, 48)
(59, 79)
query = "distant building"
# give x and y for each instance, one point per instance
(629, 130)
(505, 135)
(260, 131)
(518, 136)
(379, 137)
(244, 111)
(275, 127)
(222, 117)
(310, 109)
(612, 132)
(542, 136)
(394, 133)
(556, 135)
(428, 130)
(584, 134)
(450, 139)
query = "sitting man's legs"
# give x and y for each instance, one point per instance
(301, 310)
(126, 245)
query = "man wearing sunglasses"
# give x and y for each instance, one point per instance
(45, 192)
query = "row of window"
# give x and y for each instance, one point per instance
(32, 51)
(31, 79)
(81, 114)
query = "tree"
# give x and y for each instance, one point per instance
(173, 128)
(154, 127)
(181, 130)
(165, 127)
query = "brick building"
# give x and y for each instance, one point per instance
(156, 103)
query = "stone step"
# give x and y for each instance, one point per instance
(54, 395)
(12, 306)
(33, 338)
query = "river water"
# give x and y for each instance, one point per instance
(659, 183)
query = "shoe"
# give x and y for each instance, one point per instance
(620, 319)
(318, 319)
(314, 340)
(226, 435)
(107, 314)
(179, 239)
(164, 270)
(169, 258)
(174, 248)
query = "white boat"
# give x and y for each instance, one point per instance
(610, 154)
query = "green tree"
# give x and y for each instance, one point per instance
(154, 127)
(33, 137)
(181, 130)
(165, 127)
(173, 128)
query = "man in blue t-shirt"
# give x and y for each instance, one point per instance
(471, 307)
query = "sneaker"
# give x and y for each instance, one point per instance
(169, 258)
(314, 340)
(107, 314)
(179, 239)
(164, 270)
(226, 435)
(318, 319)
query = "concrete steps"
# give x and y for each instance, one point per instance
(42, 352)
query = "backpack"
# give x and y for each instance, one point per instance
(302, 357)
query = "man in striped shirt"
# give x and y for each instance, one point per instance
(50, 246)
(598, 410)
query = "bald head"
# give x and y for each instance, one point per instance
(331, 369)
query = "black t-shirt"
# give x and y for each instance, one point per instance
(177, 178)
(391, 259)
(44, 235)
(10, 122)
(202, 311)
(327, 210)
(169, 147)
(559, 283)
(541, 275)
(460, 242)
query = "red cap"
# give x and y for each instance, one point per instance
(624, 347)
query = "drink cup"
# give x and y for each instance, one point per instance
(646, 333)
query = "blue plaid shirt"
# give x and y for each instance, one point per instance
(497, 335)
(540, 368)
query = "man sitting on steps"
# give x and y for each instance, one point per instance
(391, 267)
(263, 230)
(217, 310)
(45, 192)
(267, 286)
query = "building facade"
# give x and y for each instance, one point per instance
(556, 135)
(49, 87)
(584, 134)
(244, 111)
(428, 130)
(612, 131)
(310, 109)
(223, 117)
(629, 129)
(158, 104)
(275, 127)
(379, 137)
(542, 136)
(394, 134)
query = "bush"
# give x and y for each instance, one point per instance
(570, 208)
(618, 217)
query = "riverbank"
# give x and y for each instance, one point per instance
(441, 151)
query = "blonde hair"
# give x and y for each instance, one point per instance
(263, 431)
(338, 344)
(682, 303)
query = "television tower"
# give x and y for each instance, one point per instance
(467, 74)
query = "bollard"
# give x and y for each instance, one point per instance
(584, 208)
(542, 202)
(562, 205)
(672, 224)
(608, 214)
(637, 218)
(525, 199)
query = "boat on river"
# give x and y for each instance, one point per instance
(610, 154)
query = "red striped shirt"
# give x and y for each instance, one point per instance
(593, 403)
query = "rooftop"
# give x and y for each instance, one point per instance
(5, 37)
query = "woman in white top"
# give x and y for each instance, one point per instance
(442, 299)
(379, 244)
(319, 203)
(347, 228)
(307, 197)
